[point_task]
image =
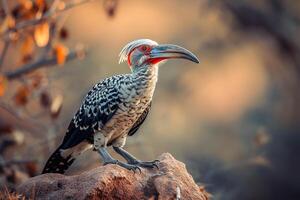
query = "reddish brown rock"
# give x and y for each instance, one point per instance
(171, 181)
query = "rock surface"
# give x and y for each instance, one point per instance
(171, 181)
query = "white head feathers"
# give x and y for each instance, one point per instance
(130, 46)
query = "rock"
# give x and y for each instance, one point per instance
(170, 181)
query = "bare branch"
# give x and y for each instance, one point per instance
(53, 10)
(33, 22)
(42, 63)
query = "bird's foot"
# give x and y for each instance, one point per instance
(133, 161)
(131, 167)
(146, 164)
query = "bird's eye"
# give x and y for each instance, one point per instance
(145, 48)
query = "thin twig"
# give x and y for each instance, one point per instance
(4, 163)
(5, 7)
(40, 63)
(27, 124)
(75, 3)
(54, 6)
(9, 109)
(4, 50)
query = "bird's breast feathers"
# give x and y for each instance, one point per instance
(134, 102)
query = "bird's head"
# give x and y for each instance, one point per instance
(145, 52)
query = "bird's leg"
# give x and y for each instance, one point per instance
(107, 159)
(134, 161)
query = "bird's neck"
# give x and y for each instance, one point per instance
(145, 77)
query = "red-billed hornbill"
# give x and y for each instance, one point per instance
(116, 107)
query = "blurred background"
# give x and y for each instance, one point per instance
(233, 119)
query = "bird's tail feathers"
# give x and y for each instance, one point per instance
(59, 161)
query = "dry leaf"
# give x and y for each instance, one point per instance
(63, 33)
(3, 84)
(26, 58)
(61, 5)
(61, 53)
(27, 46)
(56, 106)
(41, 34)
(13, 36)
(26, 4)
(24, 10)
(18, 137)
(6, 128)
(110, 7)
(41, 4)
(21, 96)
(45, 99)
(8, 23)
(31, 168)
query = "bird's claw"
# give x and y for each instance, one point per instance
(148, 164)
(124, 165)
(155, 164)
(133, 168)
(136, 168)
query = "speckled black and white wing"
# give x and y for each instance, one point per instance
(98, 107)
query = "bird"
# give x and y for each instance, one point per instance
(116, 107)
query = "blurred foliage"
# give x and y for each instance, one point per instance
(33, 36)
(233, 119)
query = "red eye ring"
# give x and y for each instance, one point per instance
(145, 48)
